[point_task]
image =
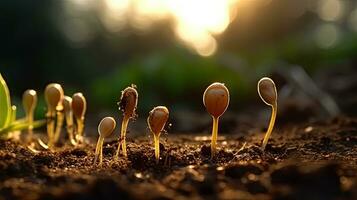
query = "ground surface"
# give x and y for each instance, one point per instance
(315, 160)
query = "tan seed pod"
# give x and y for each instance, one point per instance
(106, 126)
(67, 104)
(129, 101)
(79, 105)
(54, 95)
(29, 101)
(157, 119)
(216, 99)
(267, 91)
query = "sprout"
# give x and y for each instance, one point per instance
(216, 101)
(54, 96)
(267, 92)
(105, 129)
(67, 104)
(29, 101)
(156, 122)
(128, 103)
(79, 107)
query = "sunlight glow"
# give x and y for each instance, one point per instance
(196, 22)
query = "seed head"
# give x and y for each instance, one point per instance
(67, 104)
(106, 126)
(129, 101)
(216, 99)
(54, 95)
(157, 119)
(267, 91)
(79, 105)
(29, 101)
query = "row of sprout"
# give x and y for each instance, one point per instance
(72, 110)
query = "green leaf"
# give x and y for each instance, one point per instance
(19, 125)
(5, 104)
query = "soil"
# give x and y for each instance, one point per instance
(315, 160)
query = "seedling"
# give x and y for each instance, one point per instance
(267, 92)
(156, 122)
(105, 129)
(216, 101)
(128, 103)
(54, 99)
(79, 107)
(8, 122)
(29, 101)
(67, 104)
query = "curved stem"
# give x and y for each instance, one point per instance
(30, 127)
(214, 136)
(157, 147)
(271, 125)
(80, 127)
(122, 139)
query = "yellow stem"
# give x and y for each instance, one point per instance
(157, 147)
(50, 128)
(80, 129)
(30, 128)
(59, 124)
(271, 126)
(214, 136)
(122, 139)
(98, 148)
(101, 152)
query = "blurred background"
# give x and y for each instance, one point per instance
(173, 49)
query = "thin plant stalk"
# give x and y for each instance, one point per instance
(122, 142)
(157, 147)
(271, 125)
(59, 124)
(98, 149)
(214, 136)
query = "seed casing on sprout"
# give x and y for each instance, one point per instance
(105, 129)
(79, 108)
(67, 104)
(128, 104)
(29, 102)
(216, 100)
(54, 97)
(267, 92)
(156, 121)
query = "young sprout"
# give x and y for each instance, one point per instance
(29, 101)
(67, 104)
(54, 95)
(267, 92)
(79, 108)
(105, 129)
(128, 103)
(156, 122)
(216, 101)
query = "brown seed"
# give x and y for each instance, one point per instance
(67, 104)
(79, 105)
(129, 101)
(216, 99)
(267, 91)
(29, 101)
(106, 126)
(54, 95)
(157, 119)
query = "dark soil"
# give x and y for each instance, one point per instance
(307, 161)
